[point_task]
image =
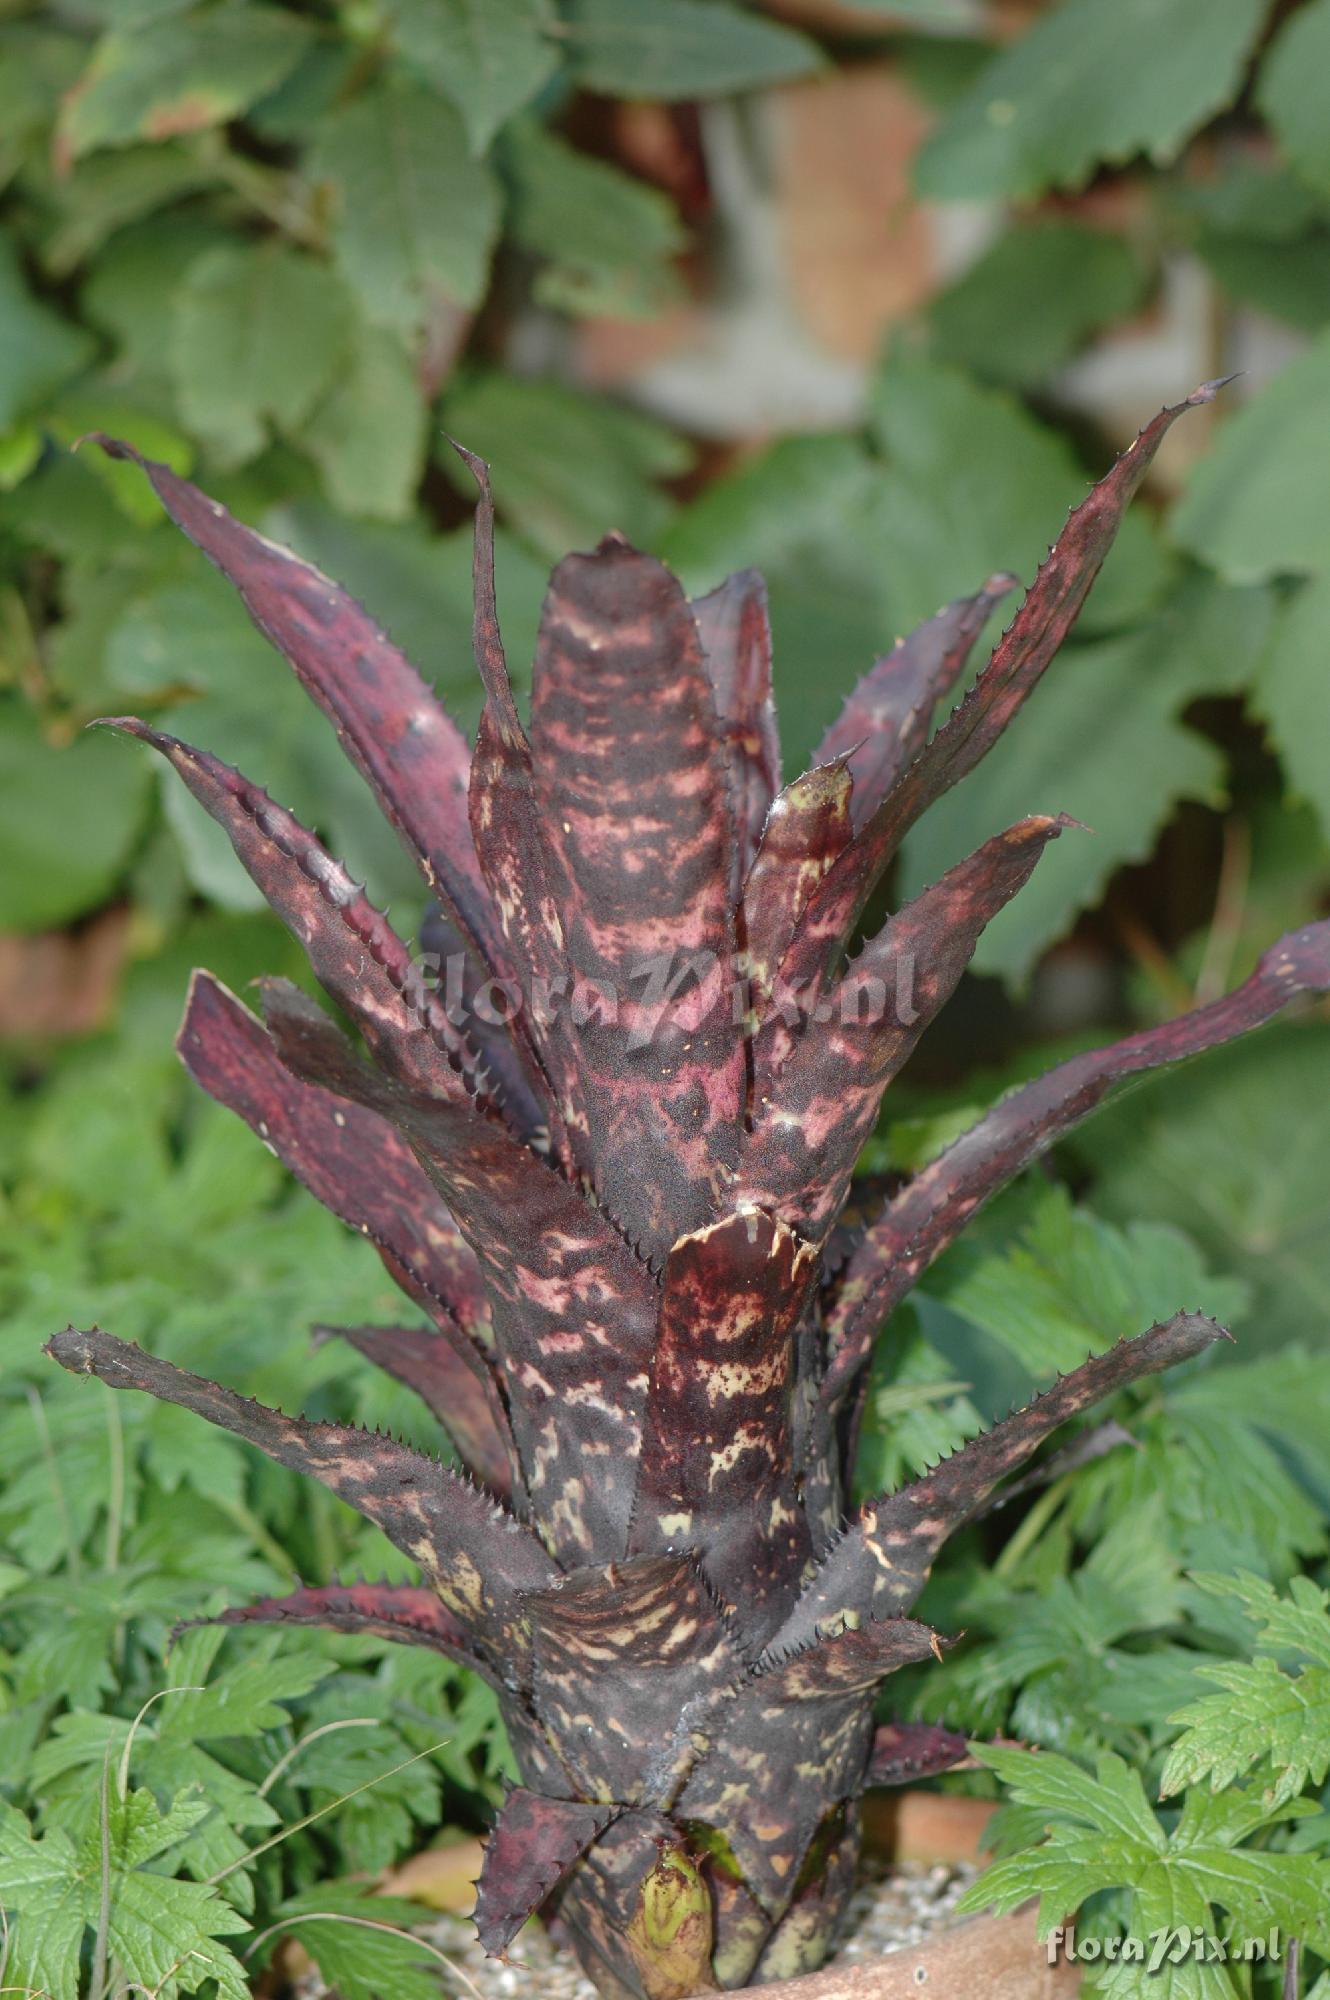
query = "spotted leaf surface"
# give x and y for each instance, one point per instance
(932, 1210)
(717, 1470)
(882, 1561)
(534, 1843)
(634, 799)
(440, 1373)
(400, 1611)
(477, 1557)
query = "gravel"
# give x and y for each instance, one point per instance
(896, 1907)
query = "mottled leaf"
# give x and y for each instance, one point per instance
(446, 1379)
(790, 1743)
(882, 1561)
(632, 791)
(944, 1195)
(387, 718)
(735, 630)
(631, 1644)
(573, 1308)
(1038, 630)
(534, 1843)
(352, 1161)
(806, 830)
(904, 1752)
(402, 1612)
(716, 1473)
(476, 1556)
(817, 1092)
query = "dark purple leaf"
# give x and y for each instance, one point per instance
(534, 1843)
(886, 718)
(789, 1743)
(402, 1612)
(631, 780)
(817, 1092)
(1038, 630)
(904, 1752)
(388, 718)
(478, 1558)
(806, 830)
(716, 1472)
(932, 1210)
(632, 1644)
(882, 1561)
(574, 1309)
(354, 951)
(353, 1161)
(427, 1361)
(735, 631)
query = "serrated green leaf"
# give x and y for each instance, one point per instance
(1252, 1115)
(605, 239)
(41, 1892)
(489, 57)
(1072, 1284)
(1258, 504)
(1273, 1724)
(40, 349)
(69, 818)
(1088, 84)
(359, 1941)
(1291, 692)
(368, 435)
(258, 335)
(567, 468)
(417, 217)
(162, 77)
(1106, 707)
(1291, 91)
(1032, 301)
(680, 48)
(167, 1931)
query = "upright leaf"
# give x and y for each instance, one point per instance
(417, 217)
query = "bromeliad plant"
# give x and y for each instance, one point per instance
(609, 1164)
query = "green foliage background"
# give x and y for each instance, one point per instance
(287, 247)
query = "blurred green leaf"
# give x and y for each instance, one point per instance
(1235, 1151)
(368, 435)
(1085, 84)
(1033, 300)
(110, 190)
(567, 467)
(160, 77)
(259, 333)
(680, 48)
(490, 57)
(604, 239)
(1104, 709)
(1073, 1284)
(1291, 693)
(68, 819)
(1289, 280)
(40, 349)
(1291, 91)
(417, 216)
(1258, 504)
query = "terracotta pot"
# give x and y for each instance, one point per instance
(990, 1958)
